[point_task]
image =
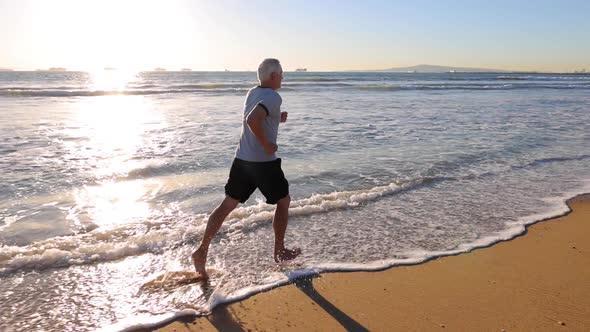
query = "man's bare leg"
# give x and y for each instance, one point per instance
(279, 224)
(213, 224)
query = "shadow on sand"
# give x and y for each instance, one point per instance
(305, 284)
(223, 320)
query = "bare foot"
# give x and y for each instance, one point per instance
(199, 261)
(286, 254)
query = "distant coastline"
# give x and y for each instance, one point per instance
(440, 69)
(423, 68)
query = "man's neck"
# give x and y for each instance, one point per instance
(265, 85)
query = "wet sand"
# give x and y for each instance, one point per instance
(539, 281)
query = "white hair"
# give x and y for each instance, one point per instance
(267, 67)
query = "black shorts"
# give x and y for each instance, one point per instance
(246, 176)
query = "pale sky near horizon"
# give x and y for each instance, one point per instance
(326, 35)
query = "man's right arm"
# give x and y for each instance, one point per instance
(255, 122)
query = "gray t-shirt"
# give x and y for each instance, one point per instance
(249, 148)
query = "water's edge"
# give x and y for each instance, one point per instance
(518, 229)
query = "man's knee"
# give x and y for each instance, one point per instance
(229, 204)
(284, 202)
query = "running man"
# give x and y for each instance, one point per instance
(256, 165)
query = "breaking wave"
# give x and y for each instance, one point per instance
(112, 244)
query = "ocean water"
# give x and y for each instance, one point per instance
(107, 179)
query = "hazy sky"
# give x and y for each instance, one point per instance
(320, 35)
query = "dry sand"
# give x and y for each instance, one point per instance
(537, 282)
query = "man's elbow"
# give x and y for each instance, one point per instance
(251, 121)
(254, 118)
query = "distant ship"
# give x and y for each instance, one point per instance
(57, 69)
(301, 69)
(186, 69)
(160, 69)
(226, 70)
(6, 69)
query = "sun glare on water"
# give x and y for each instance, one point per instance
(110, 131)
(106, 134)
(112, 80)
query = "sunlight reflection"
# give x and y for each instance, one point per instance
(108, 137)
(114, 203)
(108, 131)
(111, 80)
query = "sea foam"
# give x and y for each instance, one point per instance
(103, 245)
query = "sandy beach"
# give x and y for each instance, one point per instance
(535, 282)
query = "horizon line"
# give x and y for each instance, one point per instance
(403, 69)
(491, 71)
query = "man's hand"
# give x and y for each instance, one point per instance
(284, 116)
(270, 148)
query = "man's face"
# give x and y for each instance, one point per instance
(277, 79)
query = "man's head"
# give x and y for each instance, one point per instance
(270, 73)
